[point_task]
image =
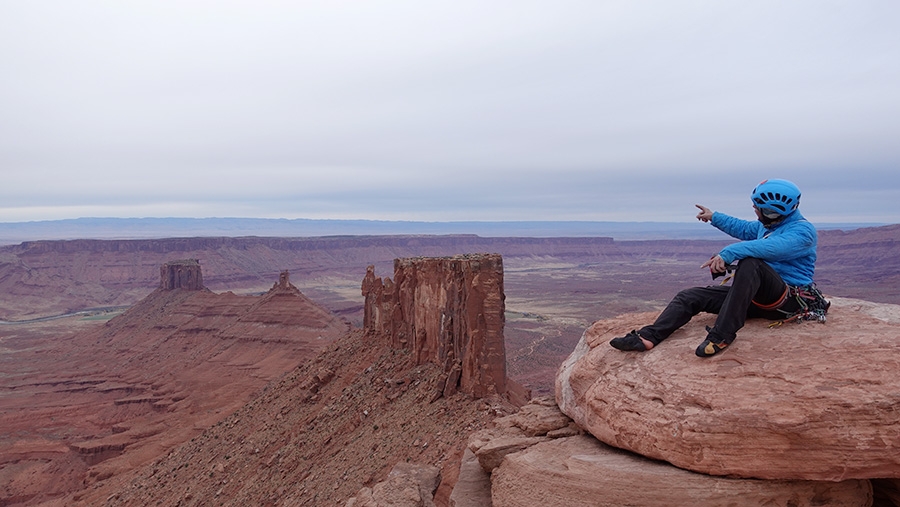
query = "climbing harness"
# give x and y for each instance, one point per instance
(809, 301)
(811, 304)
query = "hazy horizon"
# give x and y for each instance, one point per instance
(158, 228)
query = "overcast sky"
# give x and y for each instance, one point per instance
(443, 111)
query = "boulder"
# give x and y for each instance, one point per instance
(493, 450)
(580, 471)
(473, 488)
(804, 401)
(539, 417)
(407, 485)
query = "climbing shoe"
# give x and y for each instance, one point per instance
(630, 342)
(708, 348)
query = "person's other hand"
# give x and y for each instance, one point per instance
(705, 214)
(715, 264)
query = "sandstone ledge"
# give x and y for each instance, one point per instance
(559, 466)
(804, 401)
(580, 471)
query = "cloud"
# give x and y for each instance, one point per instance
(465, 110)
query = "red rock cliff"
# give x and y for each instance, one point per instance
(184, 274)
(445, 310)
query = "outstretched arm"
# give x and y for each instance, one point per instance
(715, 263)
(735, 227)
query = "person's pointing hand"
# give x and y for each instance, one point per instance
(716, 264)
(705, 214)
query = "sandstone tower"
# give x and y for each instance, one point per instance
(446, 310)
(184, 274)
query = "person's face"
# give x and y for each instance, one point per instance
(764, 219)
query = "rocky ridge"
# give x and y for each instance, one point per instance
(372, 415)
(319, 436)
(87, 410)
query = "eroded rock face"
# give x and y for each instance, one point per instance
(473, 487)
(86, 410)
(803, 401)
(445, 310)
(408, 485)
(183, 274)
(581, 471)
(538, 456)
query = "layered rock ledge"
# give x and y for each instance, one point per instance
(580, 471)
(802, 401)
(537, 456)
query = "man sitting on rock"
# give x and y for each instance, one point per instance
(773, 279)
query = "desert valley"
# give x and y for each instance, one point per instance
(227, 371)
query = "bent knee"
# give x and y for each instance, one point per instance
(751, 263)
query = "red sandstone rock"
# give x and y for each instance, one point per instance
(285, 447)
(184, 274)
(540, 417)
(577, 470)
(407, 485)
(89, 408)
(473, 487)
(448, 311)
(516, 432)
(804, 401)
(491, 452)
(582, 472)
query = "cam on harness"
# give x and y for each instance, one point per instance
(805, 302)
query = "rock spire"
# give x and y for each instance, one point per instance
(448, 311)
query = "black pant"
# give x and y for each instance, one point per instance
(754, 280)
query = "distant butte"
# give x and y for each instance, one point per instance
(184, 274)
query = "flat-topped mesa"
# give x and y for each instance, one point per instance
(448, 311)
(183, 274)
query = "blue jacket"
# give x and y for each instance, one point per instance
(788, 246)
